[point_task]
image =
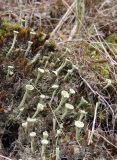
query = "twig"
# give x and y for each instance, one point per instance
(80, 11)
(105, 53)
(65, 3)
(5, 157)
(99, 135)
(94, 121)
(112, 62)
(73, 32)
(63, 19)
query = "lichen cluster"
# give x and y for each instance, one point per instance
(46, 93)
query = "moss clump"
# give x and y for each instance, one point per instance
(112, 42)
(24, 33)
(102, 69)
(51, 45)
(2, 33)
(102, 116)
(99, 64)
(95, 55)
(112, 38)
(7, 28)
(6, 31)
(41, 37)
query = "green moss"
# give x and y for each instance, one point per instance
(51, 45)
(2, 33)
(101, 116)
(95, 55)
(112, 38)
(114, 107)
(102, 69)
(7, 28)
(92, 53)
(112, 42)
(11, 26)
(113, 47)
(41, 37)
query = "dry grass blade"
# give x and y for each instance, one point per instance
(63, 19)
(80, 12)
(6, 158)
(93, 126)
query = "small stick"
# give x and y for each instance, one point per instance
(73, 32)
(99, 135)
(63, 19)
(94, 121)
(5, 157)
